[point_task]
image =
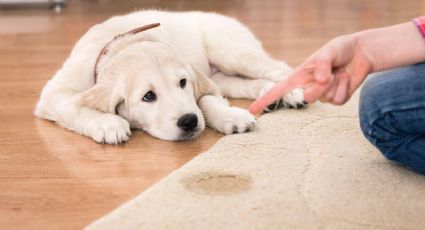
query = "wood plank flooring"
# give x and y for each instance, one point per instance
(51, 178)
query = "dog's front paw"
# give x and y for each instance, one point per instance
(236, 120)
(108, 128)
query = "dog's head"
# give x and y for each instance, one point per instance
(149, 86)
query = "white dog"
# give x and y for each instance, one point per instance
(166, 79)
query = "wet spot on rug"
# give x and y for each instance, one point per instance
(217, 183)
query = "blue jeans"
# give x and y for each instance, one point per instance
(392, 114)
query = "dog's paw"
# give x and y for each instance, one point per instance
(109, 129)
(294, 100)
(236, 120)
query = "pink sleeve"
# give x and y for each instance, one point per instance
(420, 23)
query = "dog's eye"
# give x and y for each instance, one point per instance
(149, 97)
(183, 83)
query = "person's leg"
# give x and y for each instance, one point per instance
(392, 114)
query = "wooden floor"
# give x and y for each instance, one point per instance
(51, 178)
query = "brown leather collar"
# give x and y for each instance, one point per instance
(106, 48)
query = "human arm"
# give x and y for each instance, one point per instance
(337, 69)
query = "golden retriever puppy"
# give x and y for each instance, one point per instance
(163, 72)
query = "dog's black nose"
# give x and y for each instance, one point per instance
(188, 122)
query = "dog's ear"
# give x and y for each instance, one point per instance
(202, 85)
(102, 96)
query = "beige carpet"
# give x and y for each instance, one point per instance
(309, 169)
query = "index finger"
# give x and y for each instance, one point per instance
(298, 78)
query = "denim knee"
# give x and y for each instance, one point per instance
(392, 114)
(374, 122)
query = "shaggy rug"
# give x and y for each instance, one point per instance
(308, 169)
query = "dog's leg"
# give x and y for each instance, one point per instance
(223, 118)
(240, 87)
(253, 63)
(247, 61)
(234, 50)
(62, 106)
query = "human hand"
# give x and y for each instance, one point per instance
(331, 74)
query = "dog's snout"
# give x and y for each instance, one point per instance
(188, 122)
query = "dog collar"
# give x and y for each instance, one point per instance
(106, 48)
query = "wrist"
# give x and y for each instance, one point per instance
(363, 51)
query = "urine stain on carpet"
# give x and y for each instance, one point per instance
(217, 183)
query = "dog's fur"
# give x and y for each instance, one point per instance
(215, 54)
